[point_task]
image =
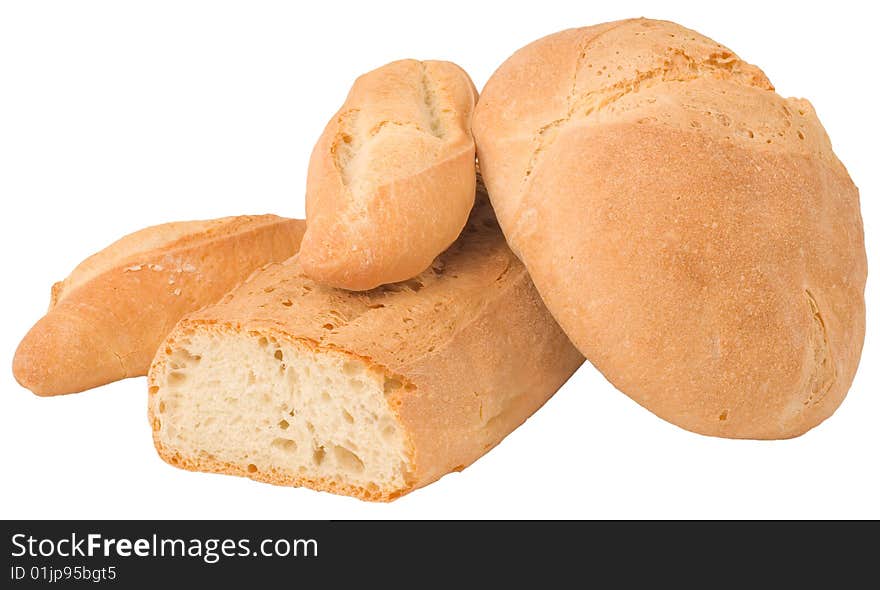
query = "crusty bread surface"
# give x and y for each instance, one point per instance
(107, 318)
(370, 394)
(391, 179)
(691, 230)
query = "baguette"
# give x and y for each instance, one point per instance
(691, 230)
(107, 318)
(368, 394)
(391, 180)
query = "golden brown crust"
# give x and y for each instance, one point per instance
(690, 229)
(108, 317)
(391, 180)
(154, 239)
(468, 348)
(575, 75)
(725, 308)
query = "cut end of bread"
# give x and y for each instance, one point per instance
(274, 409)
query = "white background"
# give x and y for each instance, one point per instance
(118, 115)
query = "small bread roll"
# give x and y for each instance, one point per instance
(106, 319)
(691, 230)
(391, 180)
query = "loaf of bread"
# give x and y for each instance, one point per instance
(391, 180)
(107, 318)
(691, 230)
(367, 394)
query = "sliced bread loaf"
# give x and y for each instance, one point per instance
(370, 394)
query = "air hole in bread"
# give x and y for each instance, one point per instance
(723, 415)
(347, 460)
(284, 425)
(287, 303)
(176, 378)
(154, 389)
(185, 357)
(263, 341)
(318, 455)
(391, 385)
(279, 355)
(251, 468)
(328, 326)
(285, 444)
(347, 417)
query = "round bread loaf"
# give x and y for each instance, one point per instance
(690, 229)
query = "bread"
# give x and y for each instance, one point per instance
(107, 318)
(691, 230)
(368, 394)
(391, 179)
